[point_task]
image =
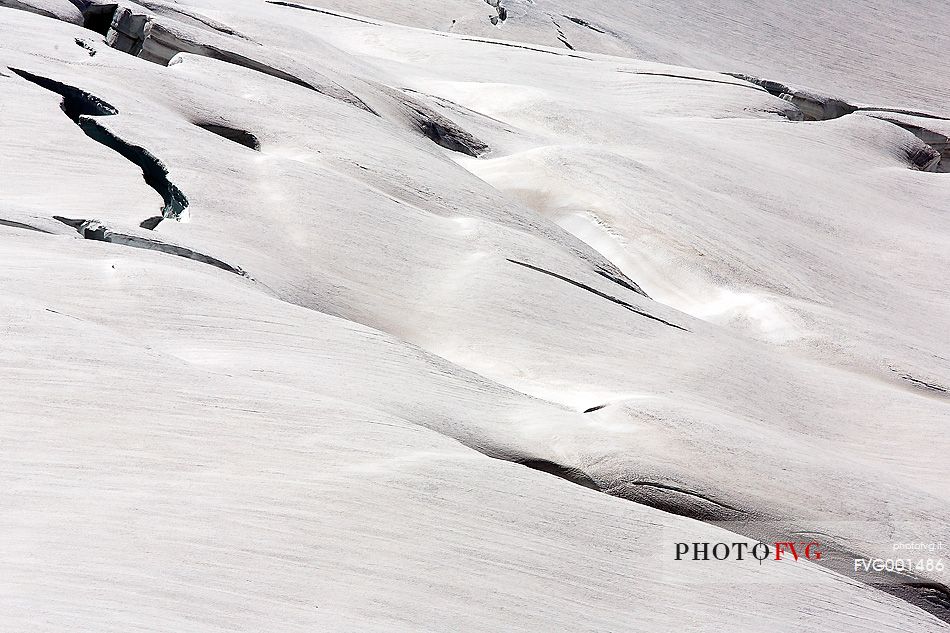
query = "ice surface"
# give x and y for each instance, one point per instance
(475, 268)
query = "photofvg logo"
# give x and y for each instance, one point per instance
(779, 550)
(913, 557)
(784, 553)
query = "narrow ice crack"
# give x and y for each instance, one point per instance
(935, 593)
(818, 107)
(560, 33)
(604, 295)
(153, 170)
(94, 230)
(687, 77)
(621, 280)
(922, 115)
(573, 475)
(511, 45)
(21, 225)
(235, 135)
(316, 10)
(935, 160)
(920, 383)
(585, 24)
(439, 129)
(82, 108)
(814, 106)
(682, 502)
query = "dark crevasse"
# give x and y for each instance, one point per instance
(81, 107)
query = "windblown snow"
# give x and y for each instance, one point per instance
(457, 315)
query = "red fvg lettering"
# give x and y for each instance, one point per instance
(787, 547)
(781, 546)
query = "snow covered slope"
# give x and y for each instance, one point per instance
(332, 267)
(870, 51)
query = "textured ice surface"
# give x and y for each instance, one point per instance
(472, 274)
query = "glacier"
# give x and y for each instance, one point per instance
(459, 315)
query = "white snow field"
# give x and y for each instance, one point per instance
(383, 322)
